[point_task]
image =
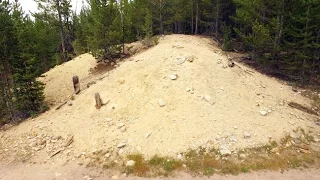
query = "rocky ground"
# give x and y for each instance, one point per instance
(178, 96)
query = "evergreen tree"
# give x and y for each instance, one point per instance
(8, 45)
(28, 92)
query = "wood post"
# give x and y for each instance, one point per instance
(76, 84)
(98, 100)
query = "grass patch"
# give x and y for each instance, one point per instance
(289, 153)
(140, 168)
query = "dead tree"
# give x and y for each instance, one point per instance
(76, 84)
(98, 100)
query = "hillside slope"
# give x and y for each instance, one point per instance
(209, 105)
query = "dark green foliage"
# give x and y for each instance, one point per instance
(8, 43)
(283, 34)
(21, 94)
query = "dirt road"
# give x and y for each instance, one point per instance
(76, 172)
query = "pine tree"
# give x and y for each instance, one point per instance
(59, 13)
(28, 92)
(8, 45)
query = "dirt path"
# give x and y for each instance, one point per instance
(76, 172)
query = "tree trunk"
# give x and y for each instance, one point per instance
(61, 31)
(192, 18)
(161, 23)
(6, 86)
(217, 18)
(197, 17)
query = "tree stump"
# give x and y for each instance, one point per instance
(98, 100)
(76, 84)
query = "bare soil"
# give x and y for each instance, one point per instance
(208, 104)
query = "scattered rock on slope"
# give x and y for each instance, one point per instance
(173, 77)
(161, 103)
(121, 145)
(263, 113)
(130, 163)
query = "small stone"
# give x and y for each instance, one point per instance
(121, 125)
(275, 150)
(121, 145)
(147, 135)
(123, 129)
(112, 63)
(69, 103)
(207, 98)
(130, 163)
(121, 151)
(184, 165)
(225, 152)
(42, 142)
(181, 60)
(235, 127)
(107, 155)
(294, 135)
(161, 103)
(179, 157)
(242, 156)
(263, 113)
(188, 89)
(246, 135)
(190, 58)
(173, 77)
(114, 177)
(122, 81)
(108, 119)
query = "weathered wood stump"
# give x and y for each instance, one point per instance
(76, 84)
(98, 100)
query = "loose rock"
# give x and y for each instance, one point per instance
(246, 135)
(121, 145)
(114, 177)
(190, 58)
(69, 103)
(181, 60)
(122, 81)
(121, 125)
(294, 135)
(207, 98)
(263, 113)
(225, 152)
(123, 129)
(161, 103)
(107, 155)
(147, 135)
(130, 163)
(108, 119)
(275, 150)
(173, 77)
